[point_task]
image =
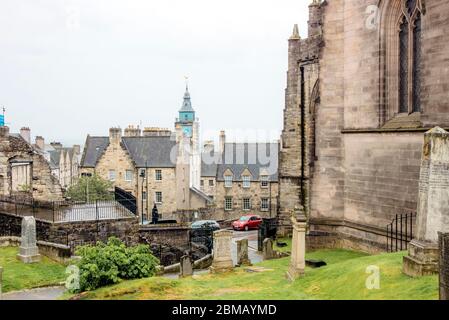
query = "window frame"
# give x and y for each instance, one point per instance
(156, 200)
(228, 181)
(262, 204)
(231, 207)
(126, 175)
(112, 175)
(246, 181)
(264, 181)
(248, 202)
(158, 175)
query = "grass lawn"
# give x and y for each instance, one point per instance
(18, 276)
(343, 278)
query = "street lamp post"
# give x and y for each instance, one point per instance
(142, 175)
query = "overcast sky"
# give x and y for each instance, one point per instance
(69, 68)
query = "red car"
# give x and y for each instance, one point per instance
(247, 222)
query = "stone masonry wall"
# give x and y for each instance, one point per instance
(237, 192)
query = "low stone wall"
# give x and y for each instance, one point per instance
(175, 236)
(55, 251)
(338, 234)
(74, 234)
(89, 232)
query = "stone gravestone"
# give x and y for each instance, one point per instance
(186, 269)
(28, 251)
(433, 205)
(267, 251)
(242, 253)
(444, 265)
(222, 251)
(298, 258)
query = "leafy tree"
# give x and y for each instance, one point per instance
(105, 264)
(90, 189)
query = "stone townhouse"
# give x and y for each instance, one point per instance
(64, 162)
(362, 89)
(242, 178)
(154, 166)
(24, 171)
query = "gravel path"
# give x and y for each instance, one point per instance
(48, 293)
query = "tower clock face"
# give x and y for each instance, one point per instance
(187, 131)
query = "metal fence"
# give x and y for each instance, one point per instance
(400, 232)
(64, 211)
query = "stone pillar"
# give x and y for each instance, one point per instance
(298, 258)
(186, 269)
(222, 251)
(444, 265)
(433, 205)
(28, 251)
(242, 253)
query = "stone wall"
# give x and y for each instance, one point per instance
(238, 193)
(173, 236)
(42, 184)
(358, 169)
(74, 234)
(55, 251)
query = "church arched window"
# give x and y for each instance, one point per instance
(401, 70)
(410, 57)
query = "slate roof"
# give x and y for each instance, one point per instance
(209, 167)
(145, 152)
(91, 154)
(256, 157)
(55, 157)
(151, 151)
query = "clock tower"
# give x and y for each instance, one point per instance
(187, 137)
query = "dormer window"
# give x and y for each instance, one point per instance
(228, 181)
(264, 181)
(246, 181)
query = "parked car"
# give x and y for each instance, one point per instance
(206, 224)
(247, 222)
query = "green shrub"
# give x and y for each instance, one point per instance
(105, 264)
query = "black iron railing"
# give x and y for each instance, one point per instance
(400, 232)
(65, 211)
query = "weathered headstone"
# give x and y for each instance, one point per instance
(267, 251)
(186, 266)
(433, 205)
(222, 251)
(242, 253)
(28, 251)
(444, 265)
(298, 257)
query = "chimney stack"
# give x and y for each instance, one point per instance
(209, 146)
(25, 133)
(115, 135)
(222, 141)
(77, 148)
(40, 142)
(132, 131)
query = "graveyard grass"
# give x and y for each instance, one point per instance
(343, 278)
(19, 276)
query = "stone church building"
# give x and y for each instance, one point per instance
(362, 89)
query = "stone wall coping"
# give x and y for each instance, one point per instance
(42, 243)
(350, 224)
(91, 221)
(145, 228)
